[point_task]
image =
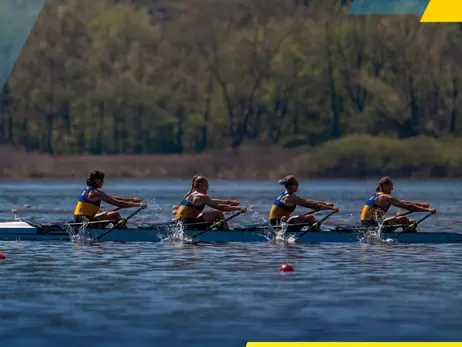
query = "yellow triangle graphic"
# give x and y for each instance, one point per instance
(443, 11)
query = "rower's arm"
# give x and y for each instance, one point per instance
(407, 205)
(222, 207)
(313, 204)
(421, 204)
(110, 200)
(226, 202)
(126, 199)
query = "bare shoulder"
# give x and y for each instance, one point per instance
(293, 197)
(96, 193)
(395, 201)
(385, 200)
(385, 197)
(201, 197)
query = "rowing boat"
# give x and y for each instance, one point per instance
(32, 231)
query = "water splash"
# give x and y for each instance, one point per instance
(16, 218)
(81, 236)
(373, 236)
(175, 233)
(279, 234)
(155, 209)
(266, 229)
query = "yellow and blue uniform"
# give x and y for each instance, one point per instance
(371, 211)
(187, 211)
(279, 209)
(86, 207)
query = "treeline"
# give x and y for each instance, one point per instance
(188, 76)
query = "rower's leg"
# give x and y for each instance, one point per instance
(111, 216)
(215, 216)
(400, 220)
(303, 220)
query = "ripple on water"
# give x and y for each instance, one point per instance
(60, 294)
(160, 292)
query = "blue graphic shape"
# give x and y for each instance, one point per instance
(387, 7)
(17, 18)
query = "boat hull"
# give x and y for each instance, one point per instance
(16, 231)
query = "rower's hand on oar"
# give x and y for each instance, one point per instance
(332, 206)
(243, 209)
(432, 210)
(142, 204)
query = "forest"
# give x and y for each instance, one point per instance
(105, 77)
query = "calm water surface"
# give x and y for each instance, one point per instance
(169, 294)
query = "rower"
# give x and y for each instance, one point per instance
(288, 201)
(89, 203)
(379, 203)
(190, 211)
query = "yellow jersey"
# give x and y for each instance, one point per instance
(187, 210)
(371, 211)
(280, 209)
(86, 207)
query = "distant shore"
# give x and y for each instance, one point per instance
(255, 164)
(351, 157)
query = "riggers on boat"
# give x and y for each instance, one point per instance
(31, 231)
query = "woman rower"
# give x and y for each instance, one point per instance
(288, 201)
(190, 211)
(379, 203)
(89, 203)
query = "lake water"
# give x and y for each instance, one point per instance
(169, 294)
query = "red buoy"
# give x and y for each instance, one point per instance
(285, 268)
(2, 256)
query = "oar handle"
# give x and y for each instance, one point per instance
(415, 224)
(120, 222)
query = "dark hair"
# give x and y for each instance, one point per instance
(288, 181)
(383, 180)
(95, 175)
(196, 181)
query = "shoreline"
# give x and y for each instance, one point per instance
(350, 158)
(242, 179)
(61, 179)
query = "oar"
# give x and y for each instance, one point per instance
(415, 224)
(122, 221)
(214, 225)
(15, 210)
(316, 224)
